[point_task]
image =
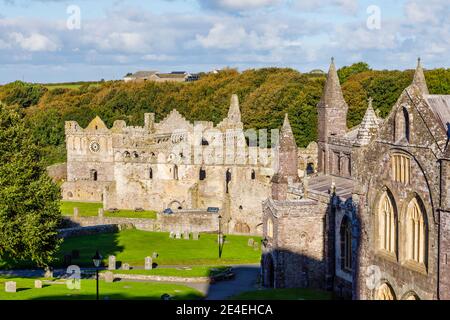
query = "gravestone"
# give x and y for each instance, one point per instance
(76, 212)
(101, 213)
(38, 284)
(171, 234)
(250, 242)
(109, 276)
(155, 255)
(48, 273)
(178, 235)
(186, 235)
(148, 263)
(75, 254)
(10, 286)
(195, 235)
(112, 263)
(125, 266)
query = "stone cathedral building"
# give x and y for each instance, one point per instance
(374, 222)
(167, 165)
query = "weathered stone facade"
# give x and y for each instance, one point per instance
(167, 165)
(376, 217)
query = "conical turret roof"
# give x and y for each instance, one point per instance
(369, 126)
(332, 93)
(419, 78)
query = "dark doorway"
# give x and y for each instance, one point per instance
(269, 278)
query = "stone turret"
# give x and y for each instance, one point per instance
(419, 78)
(234, 113)
(287, 172)
(332, 107)
(368, 127)
(332, 116)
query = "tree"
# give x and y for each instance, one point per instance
(29, 200)
(345, 72)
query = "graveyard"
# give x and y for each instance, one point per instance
(58, 290)
(135, 264)
(132, 246)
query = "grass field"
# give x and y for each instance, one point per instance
(283, 294)
(53, 86)
(132, 246)
(194, 271)
(90, 209)
(112, 291)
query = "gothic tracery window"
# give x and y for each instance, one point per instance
(415, 233)
(346, 244)
(386, 224)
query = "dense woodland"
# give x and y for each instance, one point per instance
(265, 95)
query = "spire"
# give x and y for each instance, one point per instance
(419, 78)
(368, 126)
(287, 139)
(286, 163)
(332, 93)
(234, 113)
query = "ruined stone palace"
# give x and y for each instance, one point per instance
(165, 165)
(374, 222)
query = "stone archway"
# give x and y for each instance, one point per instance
(175, 205)
(385, 292)
(269, 272)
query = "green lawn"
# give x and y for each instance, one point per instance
(90, 209)
(194, 271)
(53, 86)
(132, 246)
(113, 291)
(284, 294)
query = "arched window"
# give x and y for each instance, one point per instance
(406, 128)
(253, 176)
(270, 228)
(387, 230)
(346, 244)
(150, 173)
(202, 174)
(415, 232)
(175, 172)
(94, 175)
(385, 292)
(402, 125)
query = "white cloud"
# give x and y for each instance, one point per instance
(34, 42)
(239, 5)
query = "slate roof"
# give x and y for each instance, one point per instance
(440, 104)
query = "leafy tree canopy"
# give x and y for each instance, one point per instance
(29, 200)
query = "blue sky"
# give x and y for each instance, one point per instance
(120, 36)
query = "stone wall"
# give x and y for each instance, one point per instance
(178, 221)
(58, 172)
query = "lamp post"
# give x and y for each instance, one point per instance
(219, 236)
(97, 259)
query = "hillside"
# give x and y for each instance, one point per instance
(265, 95)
